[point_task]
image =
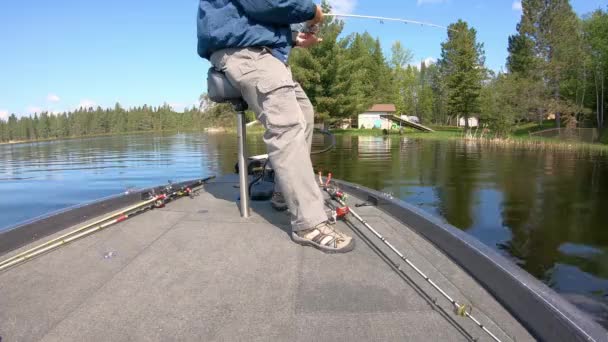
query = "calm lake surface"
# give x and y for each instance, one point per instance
(546, 210)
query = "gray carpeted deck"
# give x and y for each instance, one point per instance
(196, 271)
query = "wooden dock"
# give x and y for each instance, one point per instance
(407, 123)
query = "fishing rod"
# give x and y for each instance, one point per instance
(460, 309)
(155, 200)
(382, 19)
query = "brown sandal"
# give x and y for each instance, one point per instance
(325, 238)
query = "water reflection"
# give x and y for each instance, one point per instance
(546, 210)
(372, 148)
(526, 204)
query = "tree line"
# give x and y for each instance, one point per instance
(556, 67)
(99, 121)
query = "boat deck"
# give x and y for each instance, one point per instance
(196, 271)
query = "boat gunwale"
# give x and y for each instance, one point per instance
(541, 310)
(38, 228)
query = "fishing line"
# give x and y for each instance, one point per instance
(382, 19)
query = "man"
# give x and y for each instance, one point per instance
(250, 41)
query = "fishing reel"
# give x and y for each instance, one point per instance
(311, 29)
(169, 192)
(160, 201)
(334, 192)
(337, 213)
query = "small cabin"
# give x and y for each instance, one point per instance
(473, 122)
(375, 117)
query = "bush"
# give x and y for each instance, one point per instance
(604, 137)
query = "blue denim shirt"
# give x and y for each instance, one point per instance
(245, 23)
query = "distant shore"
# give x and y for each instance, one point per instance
(440, 133)
(458, 134)
(16, 142)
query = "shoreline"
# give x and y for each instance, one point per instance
(441, 134)
(17, 142)
(513, 141)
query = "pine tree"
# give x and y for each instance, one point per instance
(401, 77)
(523, 55)
(499, 103)
(546, 51)
(3, 131)
(400, 56)
(596, 42)
(437, 84)
(30, 125)
(42, 126)
(54, 126)
(462, 62)
(316, 69)
(425, 96)
(380, 74)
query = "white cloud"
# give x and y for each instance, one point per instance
(33, 110)
(178, 107)
(343, 6)
(424, 2)
(86, 104)
(516, 5)
(53, 98)
(3, 114)
(429, 60)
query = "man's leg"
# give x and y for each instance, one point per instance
(308, 111)
(267, 86)
(278, 200)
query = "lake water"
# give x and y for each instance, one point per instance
(546, 210)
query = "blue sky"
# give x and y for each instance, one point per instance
(57, 55)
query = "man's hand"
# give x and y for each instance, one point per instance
(306, 40)
(318, 17)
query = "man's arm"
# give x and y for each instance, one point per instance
(279, 12)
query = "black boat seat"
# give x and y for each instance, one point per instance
(220, 90)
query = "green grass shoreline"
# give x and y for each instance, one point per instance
(17, 142)
(518, 139)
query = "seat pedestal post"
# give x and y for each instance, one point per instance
(221, 90)
(241, 129)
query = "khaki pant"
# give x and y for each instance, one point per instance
(287, 114)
